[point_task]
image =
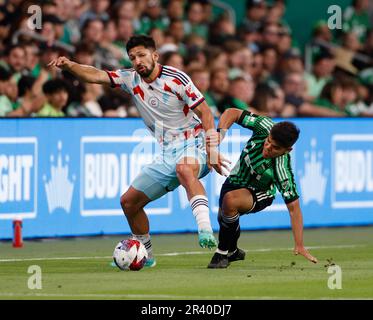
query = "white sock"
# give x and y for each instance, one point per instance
(221, 251)
(145, 240)
(201, 212)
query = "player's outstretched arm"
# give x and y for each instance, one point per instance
(216, 160)
(83, 72)
(297, 227)
(227, 119)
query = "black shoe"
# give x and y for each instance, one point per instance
(218, 261)
(239, 254)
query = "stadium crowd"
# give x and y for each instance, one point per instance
(256, 65)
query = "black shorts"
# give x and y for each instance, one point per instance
(261, 199)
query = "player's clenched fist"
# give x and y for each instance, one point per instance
(60, 62)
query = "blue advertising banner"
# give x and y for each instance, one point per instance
(64, 177)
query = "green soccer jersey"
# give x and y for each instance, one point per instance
(252, 170)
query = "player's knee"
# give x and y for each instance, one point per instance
(128, 205)
(184, 172)
(229, 204)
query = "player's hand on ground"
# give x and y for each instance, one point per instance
(60, 62)
(218, 162)
(304, 252)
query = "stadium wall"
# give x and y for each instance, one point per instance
(64, 177)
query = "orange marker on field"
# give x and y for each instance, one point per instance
(17, 234)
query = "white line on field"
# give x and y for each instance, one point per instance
(159, 296)
(175, 253)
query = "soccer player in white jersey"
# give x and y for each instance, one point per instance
(177, 115)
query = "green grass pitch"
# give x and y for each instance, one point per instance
(80, 268)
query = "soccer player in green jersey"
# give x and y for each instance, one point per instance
(264, 164)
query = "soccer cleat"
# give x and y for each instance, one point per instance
(150, 263)
(206, 239)
(218, 261)
(238, 254)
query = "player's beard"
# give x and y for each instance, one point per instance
(146, 72)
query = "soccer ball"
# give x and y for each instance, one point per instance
(130, 254)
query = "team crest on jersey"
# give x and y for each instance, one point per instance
(153, 102)
(285, 184)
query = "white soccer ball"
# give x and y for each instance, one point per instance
(130, 254)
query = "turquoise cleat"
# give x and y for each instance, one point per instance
(206, 239)
(150, 263)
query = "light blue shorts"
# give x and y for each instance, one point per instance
(159, 177)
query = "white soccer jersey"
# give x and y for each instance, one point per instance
(164, 104)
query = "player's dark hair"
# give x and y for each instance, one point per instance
(285, 133)
(141, 40)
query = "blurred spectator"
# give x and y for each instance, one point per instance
(256, 10)
(222, 30)
(5, 26)
(353, 98)
(350, 41)
(291, 61)
(321, 31)
(367, 48)
(239, 58)
(264, 98)
(158, 36)
(270, 35)
(285, 42)
(256, 68)
(175, 10)
(116, 103)
(83, 96)
(57, 95)
(109, 42)
(15, 61)
(8, 92)
(216, 57)
(201, 78)
(97, 11)
(153, 17)
(32, 58)
(176, 31)
(195, 22)
(240, 95)
(93, 32)
(323, 68)
(219, 84)
(270, 61)
(356, 18)
(124, 30)
(125, 9)
(173, 59)
(331, 97)
(250, 35)
(295, 99)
